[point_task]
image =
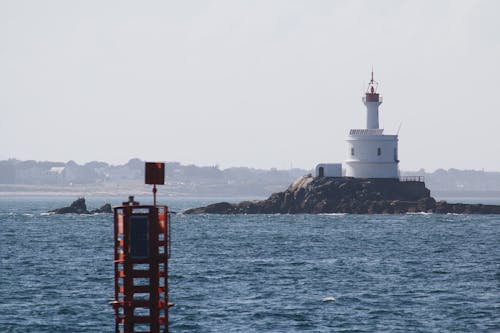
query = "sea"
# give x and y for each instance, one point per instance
(257, 273)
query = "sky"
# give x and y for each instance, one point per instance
(262, 83)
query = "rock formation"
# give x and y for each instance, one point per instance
(106, 208)
(309, 195)
(80, 207)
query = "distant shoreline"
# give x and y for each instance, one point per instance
(115, 190)
(45, 178)
(74, 190)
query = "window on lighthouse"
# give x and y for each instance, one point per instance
(379, 151)
(352, 151)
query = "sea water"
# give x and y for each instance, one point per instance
(258, 273)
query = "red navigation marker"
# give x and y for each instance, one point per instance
(141, 252)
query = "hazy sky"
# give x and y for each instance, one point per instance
(248, 83)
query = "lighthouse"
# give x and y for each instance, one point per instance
(371, 153)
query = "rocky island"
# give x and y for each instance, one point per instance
(320, 195)
(80, 207)
(372, 184)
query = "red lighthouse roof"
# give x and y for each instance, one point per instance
(371, 92)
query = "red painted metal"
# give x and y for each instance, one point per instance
(155, 173)
(372, 97)
(141, 281)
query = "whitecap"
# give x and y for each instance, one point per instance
(333, 214)
(419, 213)
(328, 299)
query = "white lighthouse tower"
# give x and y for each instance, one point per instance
(372, 154)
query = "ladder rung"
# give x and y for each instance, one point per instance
(140, 303)
(142, 289)
(135, 289)
(120, 258)
(140, 273)
(141, 319)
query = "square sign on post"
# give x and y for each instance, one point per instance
(155, 173)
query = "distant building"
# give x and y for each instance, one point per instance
(56, 170)
(329, 170)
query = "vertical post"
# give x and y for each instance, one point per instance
(153, 270)
(154, 195)
(154, 175)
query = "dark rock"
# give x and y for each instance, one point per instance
(308, 195)
(442, 207)
(218, 208)
(77, 207)
(106, 209)
(80, 207)
(426, 204)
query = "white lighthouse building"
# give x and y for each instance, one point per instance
(372, 154)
